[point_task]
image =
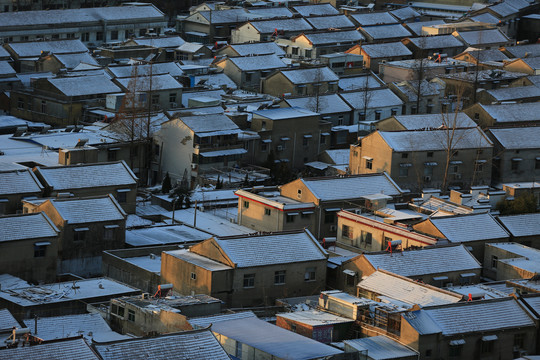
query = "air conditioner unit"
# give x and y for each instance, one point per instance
(279, 148)
(427, 178)
(333, 228)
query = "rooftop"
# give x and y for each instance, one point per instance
(160, 235)
(37, 48)
(284, 113)
(27, 226)
(334, 37)
(258, 63)
(471, 227)
(327, 104)
(432, 121)
(376, 18)
(89, 210)
(522, 224)
(257, 48)
(507, 113)
(381, 348)
(386, 50)
(378, 98)
(198, 260)
(381, 32)
(310, 75)
(330, 22)
(482, 37)
(316, 9)
(436, 42)
(314, 318)
(84, 85)
(74, 348)
(517, 138)
(19, 182)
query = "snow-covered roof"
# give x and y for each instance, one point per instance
(386, 50)
(503, 9)
(317, 9)
(284, 113)
(188, 47)
(126, 71)
(37, 48)
(534, 62)
(7, 321)
(406, 290)
(154, 83)
(376, 18)
(530, 50)
(335, 188)
(314, 317)
(433, 121)
(310, 75)
(209, 123)
(8, 281)
(6, 69)
(278, 248)
(339, 156)
(472, 138)
(262, 48)
(522, 251)
(214, 81)
(160, 42)
(416, 27)
(514, 93)
(258, 63)
(328, 22)
(504, 113)
(410, 90)
(405, 13)
(161, 235)
(4, 54)
(85, 85)
(75, 348)
(489, 315)
(82, 16)
(522, 224)
(380, 32)
(327, 104)
(28, 226)
(470, 227)
(205, 321)
(19, 182)
(89, 210)
(334, 37)
(70, 61)
(492, 36)
(187, 345)
(425, 261)
(264, 336)
(382, 348)
(518, 137)
(87, 176)
(289, 25)
(377, 98)
(198, 260)
(436, 42)
(485, 18)
(358, 82)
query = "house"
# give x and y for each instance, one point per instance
(15, 185)
(473, 230)
(483, 39)
(248, 71)
(194, 344)
(88, 226)
(374, 18)
(501, 327)
(416, 27)
(425, 68)
(372, 105)
(384, 33)
(434, 265)
(375, 53)
(164, 43)
(268, 30)
(523, 228)
(510, 260)
(30, 244)
(419, 122)
(303, 81)
(163, 91)
(368, 232)
(421, 97)
(513, 190)
(246, 270)
(62, 298)
(60, 101)
(327, 22)
(114, 178)
(529, 66)
(247, 337)
(314, 45)
(331, 107)
(419, 159)
(380, 348)
(314, 324)
(208, 141)
(95, 26)
(487, 116)
(343, 63)
(309, 202)
(522, 51)
(425, 46)
(405, 13)
(192, 51)
(293, 136)
(517, 154)
(385, 285)
(493, 58)
(360, 82)
(57, 62)
(250, 49)
(520, 94)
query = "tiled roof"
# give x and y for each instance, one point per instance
(155, 83)
(205, 321)
(380, 32)
(144, 69)
(261, 250)
(258, 63)
(58, 327)
(369, 19)
(35, 48)
(257, 48)
(90, 210)
(310, 75)
(404, 13)
(327, 22)
(436, 42)
(382, 347)
(209, 123)
(289, 25)
(328, 104)
(518, 138)
(472, 38)
(430, 121)
(190, 345)
(522, 225)
(377, 98)
(66, 349)
(317, 9)
(386, 50)
(19, 182)
(88, 176)
(28, 226)
(198, 260)
(7, 321)
(84, 85)
(161, 42)
(473, 227)
(334, 37)
(425, 261)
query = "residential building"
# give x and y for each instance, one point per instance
(517, 154)
(473, 230)
(162, 90)
(505, 261)
(30, 246)
(425, 68)
(313, 45)
(52, 349)
(422, 122)
(384, 33)
(374, 18)
(248, 270)
(374, 54)
(520, 51)
(487, 116)
(315, 10)
(519, 94)
(268, 30)
(424, 46)
(327, 22)
(524, 229)
(380, 347)
(343, 63)
(485, 59)
(317, 325)
(114, 178)
(304, 81)
(250, 49)
(15, 185)
(331, 107)
(530, 66)
(431, 93)
(432, 158)
(483, 39)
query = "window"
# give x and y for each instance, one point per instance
(537, 164)
(515, 165)
(264, 147)
(428, 352)
(131, 315)
(39, 250)
(366, 237)
(369, 164)
(79, 235)
(377, 115)
(172, 97)
(455, 350)
(108, 234)
(127, 34)
(494, 260)
(29, 104)
(487, 346)
(290, 218)
(414, 110)
(155, 99)
(361, 116)
(114, 35)
(293, 327)
(430, 154)
(43, 106)
(248, 77)
(404, 155)
(121, 196)
(347, 232)
(70, 35)
(308, 53)
(310, 274)
(193, 276)
(142, 32)
(249, 280)
(351, 280)
(246, 204)
(238, 349)
(279, 277)
(305, 141)
(403, 171)
(85, 36)
(476, 116)
(117, 310)
(267, 212)
(329, 217)
(393, 112)
(111, 155)
(294, 51)
(99, 36)
(519, 340)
